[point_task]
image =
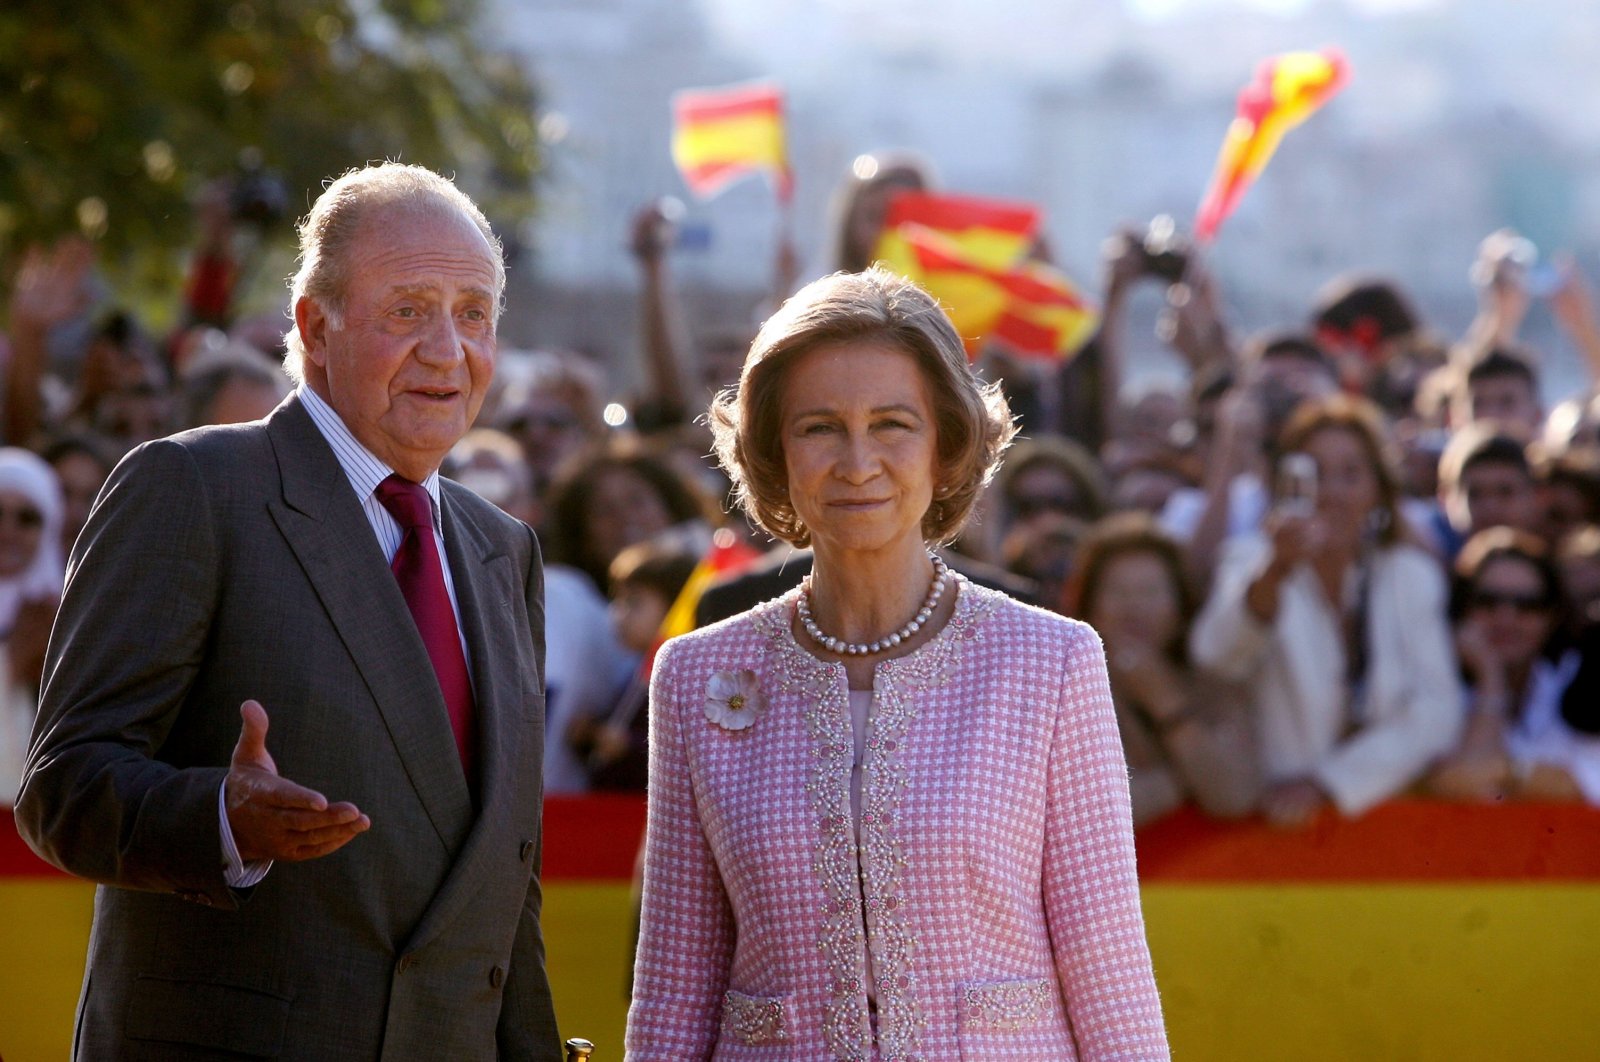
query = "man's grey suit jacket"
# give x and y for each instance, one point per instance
(232, 563)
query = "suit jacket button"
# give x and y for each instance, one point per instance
(497, 977)
(406, 963)
(527, 851)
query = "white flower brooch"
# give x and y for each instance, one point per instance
(733, 699)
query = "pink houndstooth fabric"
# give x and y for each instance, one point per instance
(997, 853)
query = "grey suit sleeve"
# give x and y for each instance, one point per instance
(527, 1016)
(100, 796)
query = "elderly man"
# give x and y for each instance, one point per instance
(361, 882)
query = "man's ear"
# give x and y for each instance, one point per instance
(311, 322)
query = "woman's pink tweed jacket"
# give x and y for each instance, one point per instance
(997, 853)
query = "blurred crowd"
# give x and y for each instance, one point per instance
(1347, 558)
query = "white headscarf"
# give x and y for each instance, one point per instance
(31, 476)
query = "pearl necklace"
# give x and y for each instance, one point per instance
(838, 645)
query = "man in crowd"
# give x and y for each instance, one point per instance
(368, 888)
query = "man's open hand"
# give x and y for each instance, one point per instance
(272, 817)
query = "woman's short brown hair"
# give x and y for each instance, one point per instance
(1122, 535)
(972, 423)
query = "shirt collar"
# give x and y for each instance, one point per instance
(362, 467)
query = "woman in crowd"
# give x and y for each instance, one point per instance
(1529, 732)
(888, 811)
(612, 498)
(1185, 732)
(31, 576)
(1337, 623)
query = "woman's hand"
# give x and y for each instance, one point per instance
(1146, 675)
(1482, 662)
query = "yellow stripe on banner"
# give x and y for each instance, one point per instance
(44, 941)
(754, 139)
(588, 950)
(1248, 973)
(1421, 973)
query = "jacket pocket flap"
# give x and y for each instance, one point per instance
(1006, 1004)
(755, 1019)
(224, 1017)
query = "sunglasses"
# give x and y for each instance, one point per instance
(1489, 599)
(24, 516)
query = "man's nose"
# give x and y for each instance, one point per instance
(441, 341)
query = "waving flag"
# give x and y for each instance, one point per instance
(1025, 304)
(992, 232)
(1286, 91)
(721, 135)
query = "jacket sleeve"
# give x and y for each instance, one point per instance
(1425, 722)
(96, 799)
(1091, 883)
(686, 933)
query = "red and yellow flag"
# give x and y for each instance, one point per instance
(1028, 305)
(992, 232)
(1286, 91)
(720, 135)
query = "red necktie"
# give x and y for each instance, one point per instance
(420, 574)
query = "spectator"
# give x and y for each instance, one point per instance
(1578, 556)
(1369, 328)
(861, 202)
(1568, 492)
(613, 498)
(1500, 384)
(32, 570)
(231, 383)
(1484, 481)
(1185, 732)
(553, 404)
(646, 579)
(1280, 372)
(1337, 623)
(82, 463)
(1520, 667)
(1042, 478)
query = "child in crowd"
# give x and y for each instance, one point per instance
(645, 580)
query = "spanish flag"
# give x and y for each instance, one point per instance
(720, 135)
(1026, 305)
(1286, 91)
(993, 233)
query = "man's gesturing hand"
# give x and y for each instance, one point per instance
(272, 817)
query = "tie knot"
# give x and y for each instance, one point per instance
(407, 502)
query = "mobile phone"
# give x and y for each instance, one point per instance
(1297, 484)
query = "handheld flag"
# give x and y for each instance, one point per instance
(992, 232)
(1286, 91)
(721, 135)
(1025, 304)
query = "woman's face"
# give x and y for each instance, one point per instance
(624, 509)
(1508, 600)
(1347, 484)
(1136, 602)
(21, 527)
(859, 447)
(1041, 490)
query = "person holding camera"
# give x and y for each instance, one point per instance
(1336, 621)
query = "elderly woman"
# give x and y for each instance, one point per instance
(1336, 622)
(889, 815)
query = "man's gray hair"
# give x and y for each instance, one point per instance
(327, 232)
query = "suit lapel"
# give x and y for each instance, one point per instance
(323, 523)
